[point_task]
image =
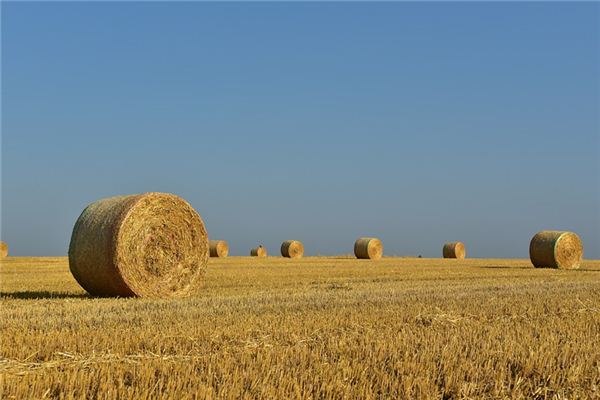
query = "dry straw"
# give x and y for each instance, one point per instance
(368, 248)
(151, 244)
(556, 249)
(3, 250)
(292, 249)
(218, 248)
(454, 250)
(259, 251)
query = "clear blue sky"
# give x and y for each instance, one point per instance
(323, 122)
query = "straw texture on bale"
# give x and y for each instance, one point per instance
(368, 248)
(454, 250)
(259, 251)
(3, 250)
(142, 245)
(218, 248)
(556, 249)
(292, 249)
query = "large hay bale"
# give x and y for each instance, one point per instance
(556, 249)
(292, 249)
(368, 248)
(151, 244)
(454, 250)
(259, 251)
(3, 250)
(218, 248)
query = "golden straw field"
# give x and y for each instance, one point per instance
(313, 327)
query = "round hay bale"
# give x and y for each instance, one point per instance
(292, 249)
(368, 248)
(556, 249)
(218, 248)
(454, 250)
(3, 250)
(259, 251)
(141, 245)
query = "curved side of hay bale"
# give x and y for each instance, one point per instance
(151, 244)
(556, 249)
(368, 248)
(292, 249)
(3, 250)
(218, 248)
(454, 250)
(259, 251)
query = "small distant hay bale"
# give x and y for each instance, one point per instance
(259, 251)
(556, 249)
(141, 245)
(218, 248)
(3, 250)
(368, 248)
(454, 250)
(292, 249)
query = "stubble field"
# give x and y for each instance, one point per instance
(310, 328)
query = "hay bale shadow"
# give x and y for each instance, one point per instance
(44, 294)
(506, 267)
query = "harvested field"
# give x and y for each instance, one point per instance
(313, 328)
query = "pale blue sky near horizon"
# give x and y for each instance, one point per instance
(418, 123)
